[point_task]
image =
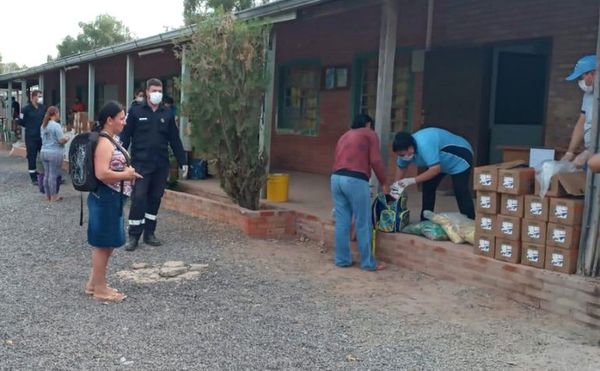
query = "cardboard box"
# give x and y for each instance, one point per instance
(519, 181)
(485, 178)
(512, 205)
(508, 227)
(564, 236)
(485, 244)
(488, 202)
(508, 251)
(534, 231)
(485, 224)
(565, 184)
(536, 208)
(568, 211)
(561, 260)
(533, 254)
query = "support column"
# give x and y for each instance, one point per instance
(129, 77)
(9, 120)
(266, 125)
(385, 76)
(91, 104)
(589, 251)
(41, 84)
(63, 96)
(23, 100)
(184, 122)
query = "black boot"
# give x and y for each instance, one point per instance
(150, 239)
(132, 243)
(34, 178)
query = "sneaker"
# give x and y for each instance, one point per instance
(150, 239)
(132, 243)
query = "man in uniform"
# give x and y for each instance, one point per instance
(31, 118)
(150, 129)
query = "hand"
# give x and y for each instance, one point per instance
(406, 182)
(386, 189)
(131, 174)
(569, 156)
(582, 158)
(184, 171)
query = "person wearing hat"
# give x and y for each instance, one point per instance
(585, 72)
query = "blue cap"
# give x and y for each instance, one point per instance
(585, 64)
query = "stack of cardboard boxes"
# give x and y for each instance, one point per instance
(515, 225)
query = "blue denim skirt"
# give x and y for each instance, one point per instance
(106, 224)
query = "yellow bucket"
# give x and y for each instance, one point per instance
(277, 187)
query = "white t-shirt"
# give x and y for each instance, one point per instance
(587, 106)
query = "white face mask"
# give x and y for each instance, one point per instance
(156, 97)
(408, 158)
(40, 100)
(583, 86)
(139, 99)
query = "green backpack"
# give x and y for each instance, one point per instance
(390, 215)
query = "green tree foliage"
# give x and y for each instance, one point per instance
(9, 66)
(105, 30)
(225, 92)
(193, 8)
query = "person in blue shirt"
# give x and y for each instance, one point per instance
(442, 153)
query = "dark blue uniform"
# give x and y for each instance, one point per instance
(150, 134)
(32, 121)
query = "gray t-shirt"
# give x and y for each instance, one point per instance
(50, 136)
(587, 107)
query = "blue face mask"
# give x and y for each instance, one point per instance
(408, 158)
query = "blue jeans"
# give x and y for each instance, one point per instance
(351, 197)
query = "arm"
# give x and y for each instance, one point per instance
(102, 158)
(594, 163)
(577, 136)
(431, 173)
(21, 121)
(175, 143)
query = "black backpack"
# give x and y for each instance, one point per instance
(81, 162)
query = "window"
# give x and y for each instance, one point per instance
(400, 98)
(299, 99)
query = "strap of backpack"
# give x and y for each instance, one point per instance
(120, 148)
(81, 209)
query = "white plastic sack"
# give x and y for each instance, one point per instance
(545, 172)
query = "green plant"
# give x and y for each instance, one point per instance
(226, 59)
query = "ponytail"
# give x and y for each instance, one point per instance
(51, 111)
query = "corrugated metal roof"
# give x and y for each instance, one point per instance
(267, 10)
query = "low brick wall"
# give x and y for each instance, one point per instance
(268, 223)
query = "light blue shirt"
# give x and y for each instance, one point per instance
(50, 136)
(587, 106)
(437, 146)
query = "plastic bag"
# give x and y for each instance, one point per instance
(458, 227)
(545, 172)
(427, 229)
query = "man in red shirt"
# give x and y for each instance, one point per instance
(356, 153)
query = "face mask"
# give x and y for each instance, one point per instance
(139, 99)
(585, 88)
(40, 100)
(407, 158)
(156, 97)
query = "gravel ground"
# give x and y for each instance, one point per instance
(259, 305)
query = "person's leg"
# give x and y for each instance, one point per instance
(139, 196)
(32, 152)
(156, 190)
(97, 283)
(46, 163)
(464, 198)
(343, 218)
(55, 170)
(429, 190)
(359, 195)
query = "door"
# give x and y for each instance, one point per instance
(518, 97)
(456, 94)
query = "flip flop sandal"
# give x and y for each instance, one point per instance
(91, 292)
(114, 297)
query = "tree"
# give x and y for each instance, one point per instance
(224, 99)
(193, 8)
(10, 66)
(105, 30)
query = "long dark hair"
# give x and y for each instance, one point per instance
(51, 111)
(109, 110)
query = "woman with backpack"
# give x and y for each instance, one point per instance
(106, 227)
(52, 152)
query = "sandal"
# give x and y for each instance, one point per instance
(115, 297)
(91, 292)
(380, 267)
